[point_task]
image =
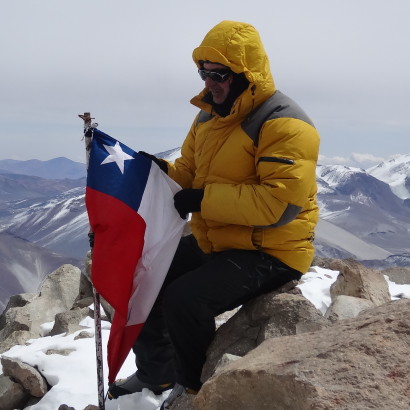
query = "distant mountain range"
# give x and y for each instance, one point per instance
(33, 188)
(364, 215)
(365, 206)
(59, 223)
(57, 168)
(15, 187)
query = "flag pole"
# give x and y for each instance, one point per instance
(88, 126)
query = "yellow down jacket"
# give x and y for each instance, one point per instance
(256, 165)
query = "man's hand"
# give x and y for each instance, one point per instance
(188, 200)
(160, 162)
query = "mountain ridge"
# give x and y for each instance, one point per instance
(363, 205)
(59, 168)
(394, 172)
(360, 218)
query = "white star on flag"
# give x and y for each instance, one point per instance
(117, 155)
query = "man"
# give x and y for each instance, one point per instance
(247, 169)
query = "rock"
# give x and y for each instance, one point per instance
(15, 301)
(269, 315)
(225, 316)
(91, 407)
(12, 395)
(82, 303)
(87, 289)
(326, 263)
(356, 280)
(225, 359)
(32, 401)
(18, 337)
(185, 402)
(359, 363)
(62, 352)
(69, 322)
(84, 335)
(65, 407)
(57, 294)
(16, 319)
(400, 275)
(26, 375)
(108, 310)
(280, 315)
(346, 307)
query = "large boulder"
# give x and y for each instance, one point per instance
(346, 307)
(357, 280)
(25, 315)
(57, 294)
(12, 394)
(15, 319)
(15, 301)
(27, 376)
(274, 314)
(358, 363)
(400, 275)
(69, 322)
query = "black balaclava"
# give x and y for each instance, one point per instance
(238, 86)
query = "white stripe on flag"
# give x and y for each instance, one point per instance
(164, 229)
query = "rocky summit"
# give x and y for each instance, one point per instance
(277, 352)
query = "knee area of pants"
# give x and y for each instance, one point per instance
(176, 298)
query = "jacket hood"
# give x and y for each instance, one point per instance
(238, 46)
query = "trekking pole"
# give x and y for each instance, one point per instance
(88, 126)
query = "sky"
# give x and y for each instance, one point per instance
(346, 62)
(73, 377)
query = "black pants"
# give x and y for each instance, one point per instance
(173, 342)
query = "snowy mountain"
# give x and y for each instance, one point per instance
(24, 265)
(352, 204)
(364, 215)
(59, 224)
(53, 214)
(396, 173)
(364, 206)
(21, 187)
(361, 217)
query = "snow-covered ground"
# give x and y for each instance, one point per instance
(74, 377)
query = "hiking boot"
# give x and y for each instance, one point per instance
(176, 392)
(132, 384)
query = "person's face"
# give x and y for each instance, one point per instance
(219, 91)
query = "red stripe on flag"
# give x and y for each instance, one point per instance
(119, 241)
(121, 340)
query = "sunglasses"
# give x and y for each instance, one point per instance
(218, 76)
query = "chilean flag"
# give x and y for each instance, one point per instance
(130, 206)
